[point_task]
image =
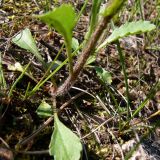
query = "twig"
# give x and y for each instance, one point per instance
(70, 101)
(47, 122)
(35, 133)
(34, 152)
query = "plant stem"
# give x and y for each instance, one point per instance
(152, 93)
(81, 11)
(125, 76)
(46, 73)
(82, 59)
(54, 72)
(94, 16)
(2, 79)
(18, 79)
(90, 47)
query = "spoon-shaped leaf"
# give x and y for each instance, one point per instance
(127, 29)
(63, 19)
(130, 29)
(64, 144)
(25, 40)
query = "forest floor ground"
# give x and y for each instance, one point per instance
(93, 115)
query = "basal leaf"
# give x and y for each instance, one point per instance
(127, 29)
(64, 144)
(25, 40)
(75, 44)
(63, 19)
(104, 75)
(44, 110)
(131, 28)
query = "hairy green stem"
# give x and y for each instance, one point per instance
(110, 11)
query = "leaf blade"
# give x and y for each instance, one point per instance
(25, 40)
(130, 29)
(62, 141)
(104, 75)
(44, 110)
(63, 19)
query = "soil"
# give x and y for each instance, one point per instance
(18, 117)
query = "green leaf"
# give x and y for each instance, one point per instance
(91, 59)
(25, 40)
(94, 16)
(127, 29)
(104, 75)
(63, 19)
(131, 28)
(113, 7)
(44, 110)
(75, 44)
(2, 79)
(64, 144)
